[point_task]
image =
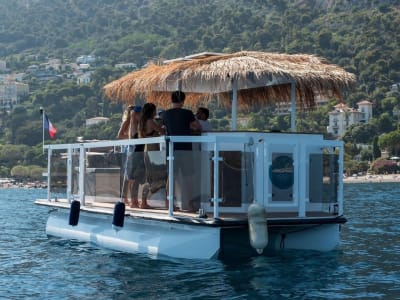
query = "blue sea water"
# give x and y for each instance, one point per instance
(366, 265)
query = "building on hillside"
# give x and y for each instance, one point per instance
(15, 77)
(32, 68)
(22, 89)
(3, 65)
(54, 64)
(11, 94)
(343, 117)
(395, 87)
(85, 59)
(96, 120)
(129, 66)
(83, 78)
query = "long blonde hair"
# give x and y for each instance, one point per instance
(123, 132)
(127, 113)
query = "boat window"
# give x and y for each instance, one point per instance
(281, 176)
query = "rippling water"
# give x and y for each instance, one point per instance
(366, 266)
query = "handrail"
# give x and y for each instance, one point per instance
(258, 143)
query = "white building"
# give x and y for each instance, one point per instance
(343, 116)
(395, 87)
(96, 120)
(3, 65)
(84, 78)
(126, 66)
(85, 59)
(11, 93)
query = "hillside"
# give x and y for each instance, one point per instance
(359, 35)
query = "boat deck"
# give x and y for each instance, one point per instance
(224, 219)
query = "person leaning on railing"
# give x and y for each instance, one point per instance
(132, 169)
(148, 127)
(182, 122)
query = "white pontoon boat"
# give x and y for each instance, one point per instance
(235, 194)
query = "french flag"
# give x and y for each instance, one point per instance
(47, 125)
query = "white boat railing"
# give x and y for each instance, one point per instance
(227, 171)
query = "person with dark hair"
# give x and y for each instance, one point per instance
(202, 115)
(148, 127)
(182, 122)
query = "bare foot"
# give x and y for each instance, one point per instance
(144, 205)
(176, 208)
(134, 204)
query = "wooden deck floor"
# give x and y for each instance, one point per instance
(108, 207)
(222, 215)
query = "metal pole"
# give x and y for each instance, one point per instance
(293, 106)
(82, 170)
(42, 113)
(234, 103)
(69, 174)
(49, 153)
(171, 178)
(216, 198)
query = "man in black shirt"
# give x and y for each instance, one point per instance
(181, 121)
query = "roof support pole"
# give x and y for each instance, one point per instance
(69, 174)
(293, 106)
(234, 103)
(82, 171)
(49, 153)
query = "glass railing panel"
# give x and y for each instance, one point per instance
(58, 173)
(103, 177)
(75, 173)
(152, 187)
(188, 180)
(323, 178)
(236, 185)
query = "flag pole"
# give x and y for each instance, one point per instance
(42, 113)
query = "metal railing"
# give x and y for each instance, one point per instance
(229, 170)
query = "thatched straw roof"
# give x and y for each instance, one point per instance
(262, 78)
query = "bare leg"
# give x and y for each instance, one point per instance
(145, 194)
(134, 187)
(125, 191)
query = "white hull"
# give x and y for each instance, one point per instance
(180, 240)
(158, 238)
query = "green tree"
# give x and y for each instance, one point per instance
(360, 133)
(385, 123)
(4, 171)
(20, 172)
(391, 142)
(36, 172)
(11, 155)
(376, 152)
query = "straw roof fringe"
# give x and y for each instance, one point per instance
(262, 78)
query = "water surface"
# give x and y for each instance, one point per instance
(365, 266)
